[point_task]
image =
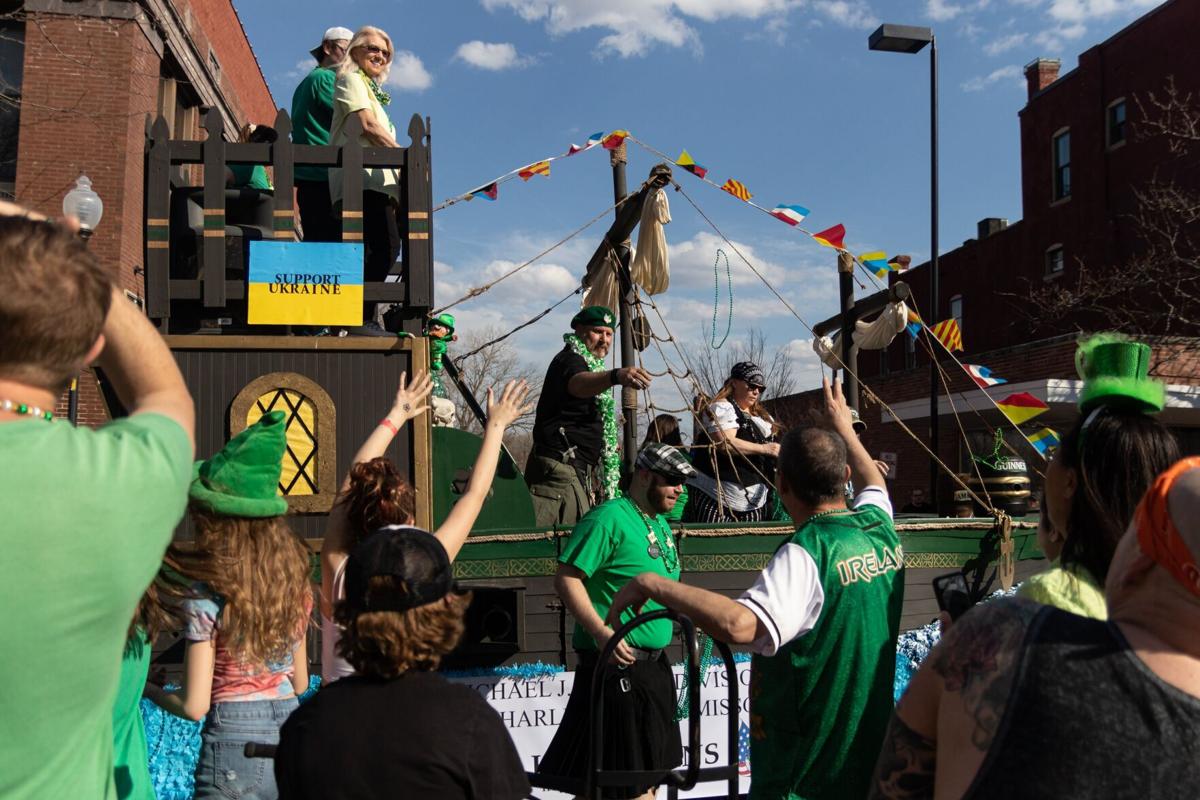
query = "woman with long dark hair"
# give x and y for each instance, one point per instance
(1104, 465)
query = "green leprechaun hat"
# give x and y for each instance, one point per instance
(242, 480)
(1115, 372)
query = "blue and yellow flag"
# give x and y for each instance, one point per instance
(305, 283)
(1044, 440)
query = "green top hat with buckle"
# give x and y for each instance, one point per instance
(1115, 372)
(242, 480)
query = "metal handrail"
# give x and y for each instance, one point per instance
(676, 780)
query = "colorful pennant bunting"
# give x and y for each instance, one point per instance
(1021, 407)
(1044, 440)
(982, 376)
(876, 262)
(687, 162)
(899, 263)
(792, 215)
(737, 189)
(489, 192)
(540, 168)
(614, 140)
(948, 333)
(592, 141)
(832, 237)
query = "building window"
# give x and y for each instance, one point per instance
(1116, 122)
(12, 70)
(214, 67)
(1062, 165)
(910, 352)
(956, 309)
(884, 367)
(1054, 261)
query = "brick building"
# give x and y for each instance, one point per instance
(1083, 155)
(79, 79)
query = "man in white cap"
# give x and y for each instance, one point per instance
(312, 115)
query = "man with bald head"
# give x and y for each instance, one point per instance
(1024, 700)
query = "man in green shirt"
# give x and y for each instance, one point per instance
(87, 513)
(822, 620)
(312, 117)
(611, 544)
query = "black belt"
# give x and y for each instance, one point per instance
(589, 657)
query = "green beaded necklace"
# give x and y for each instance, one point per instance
(383, 97)
(670, 555)
(26, 409)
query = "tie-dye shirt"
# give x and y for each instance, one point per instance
(233, 680)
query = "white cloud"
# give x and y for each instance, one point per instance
(1005, 43)
(408, 72)
(302, 68)
(1009, 76)
(942, 10)
(493, 56)
(1053, 39)
(1084, 11)
(636, 26)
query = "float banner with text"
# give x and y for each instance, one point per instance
(305, 283)
(532, 711)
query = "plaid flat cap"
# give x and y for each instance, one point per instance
(665, 460)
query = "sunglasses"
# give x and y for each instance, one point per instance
(374, 50)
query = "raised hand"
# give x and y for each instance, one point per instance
(836, 408)
(409, 396)
(511, 406)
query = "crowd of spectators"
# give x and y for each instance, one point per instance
(1022, 698)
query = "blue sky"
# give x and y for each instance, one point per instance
(780, 94)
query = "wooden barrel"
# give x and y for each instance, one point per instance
(1007, 483)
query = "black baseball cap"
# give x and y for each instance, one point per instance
(414, 557)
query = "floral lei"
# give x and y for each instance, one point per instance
(383, 97)
(610, 461)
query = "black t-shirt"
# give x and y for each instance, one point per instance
(418, 735)
(557, 408)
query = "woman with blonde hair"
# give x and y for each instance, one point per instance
(359, 92)
(734, 446)
(246, 612)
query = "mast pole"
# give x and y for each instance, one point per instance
(617, 159)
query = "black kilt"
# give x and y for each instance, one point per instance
(640, 731)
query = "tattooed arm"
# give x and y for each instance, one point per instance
(954, 706)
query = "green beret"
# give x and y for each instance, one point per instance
(595, 316)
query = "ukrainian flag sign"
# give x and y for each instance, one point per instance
(305, 283)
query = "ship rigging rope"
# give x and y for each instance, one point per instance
(936, 458)
(478, 290)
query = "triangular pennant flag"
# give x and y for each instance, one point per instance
(1021, 407)
(948, 333)
(982, 376)
(832, 237)
(792, 215)
(687, 162)
(614, 140)
(737, 189)
(876, 262)
(1044, 440)
(592, 141)
(488, 192)
(914, 324)
(540, 168)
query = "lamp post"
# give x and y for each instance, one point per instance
(85, 205)
(910, 39)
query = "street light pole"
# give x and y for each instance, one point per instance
(85, 205)
(911, 39)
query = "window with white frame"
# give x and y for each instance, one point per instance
(1115, 122)
(1062, 164)
(1054, 260)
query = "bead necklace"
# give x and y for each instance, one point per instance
(25, 408)
(665, 550)
(826, 514)
(383, 97)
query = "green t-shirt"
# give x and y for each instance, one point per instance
(612, 545)
(312, 117)
(130, 767)
(87, 515)
(820, 706)
(251, 176)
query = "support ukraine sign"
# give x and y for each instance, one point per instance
(305, 283)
